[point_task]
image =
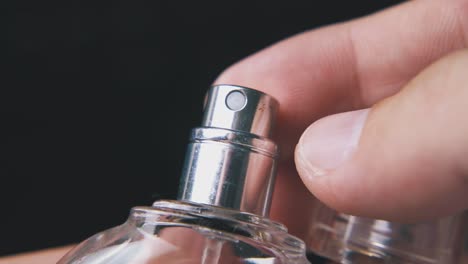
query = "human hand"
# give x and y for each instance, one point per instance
(384, 109)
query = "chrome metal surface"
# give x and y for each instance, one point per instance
(241, 109)
(229, 160)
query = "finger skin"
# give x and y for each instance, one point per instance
(39, 257)
(411, 163)
(350, 65)
(344, 67)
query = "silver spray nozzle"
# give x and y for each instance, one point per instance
(230, 161)
(241, 109)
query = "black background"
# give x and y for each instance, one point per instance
(97, 100)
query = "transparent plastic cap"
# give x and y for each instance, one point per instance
(351, 239)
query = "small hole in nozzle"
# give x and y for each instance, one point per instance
(236, 100)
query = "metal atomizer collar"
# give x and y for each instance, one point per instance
(230, 161)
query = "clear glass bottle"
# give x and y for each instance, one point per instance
(351, 239)
(221, 215)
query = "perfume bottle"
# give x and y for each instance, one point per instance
(350, 239)
(221, 215)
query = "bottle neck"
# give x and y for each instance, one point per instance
(239, 230)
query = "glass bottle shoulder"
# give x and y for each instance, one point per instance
(181, 232)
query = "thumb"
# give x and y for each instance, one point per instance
(405, 159)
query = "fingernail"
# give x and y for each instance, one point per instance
(329, 142)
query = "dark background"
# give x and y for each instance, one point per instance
(97, 100)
